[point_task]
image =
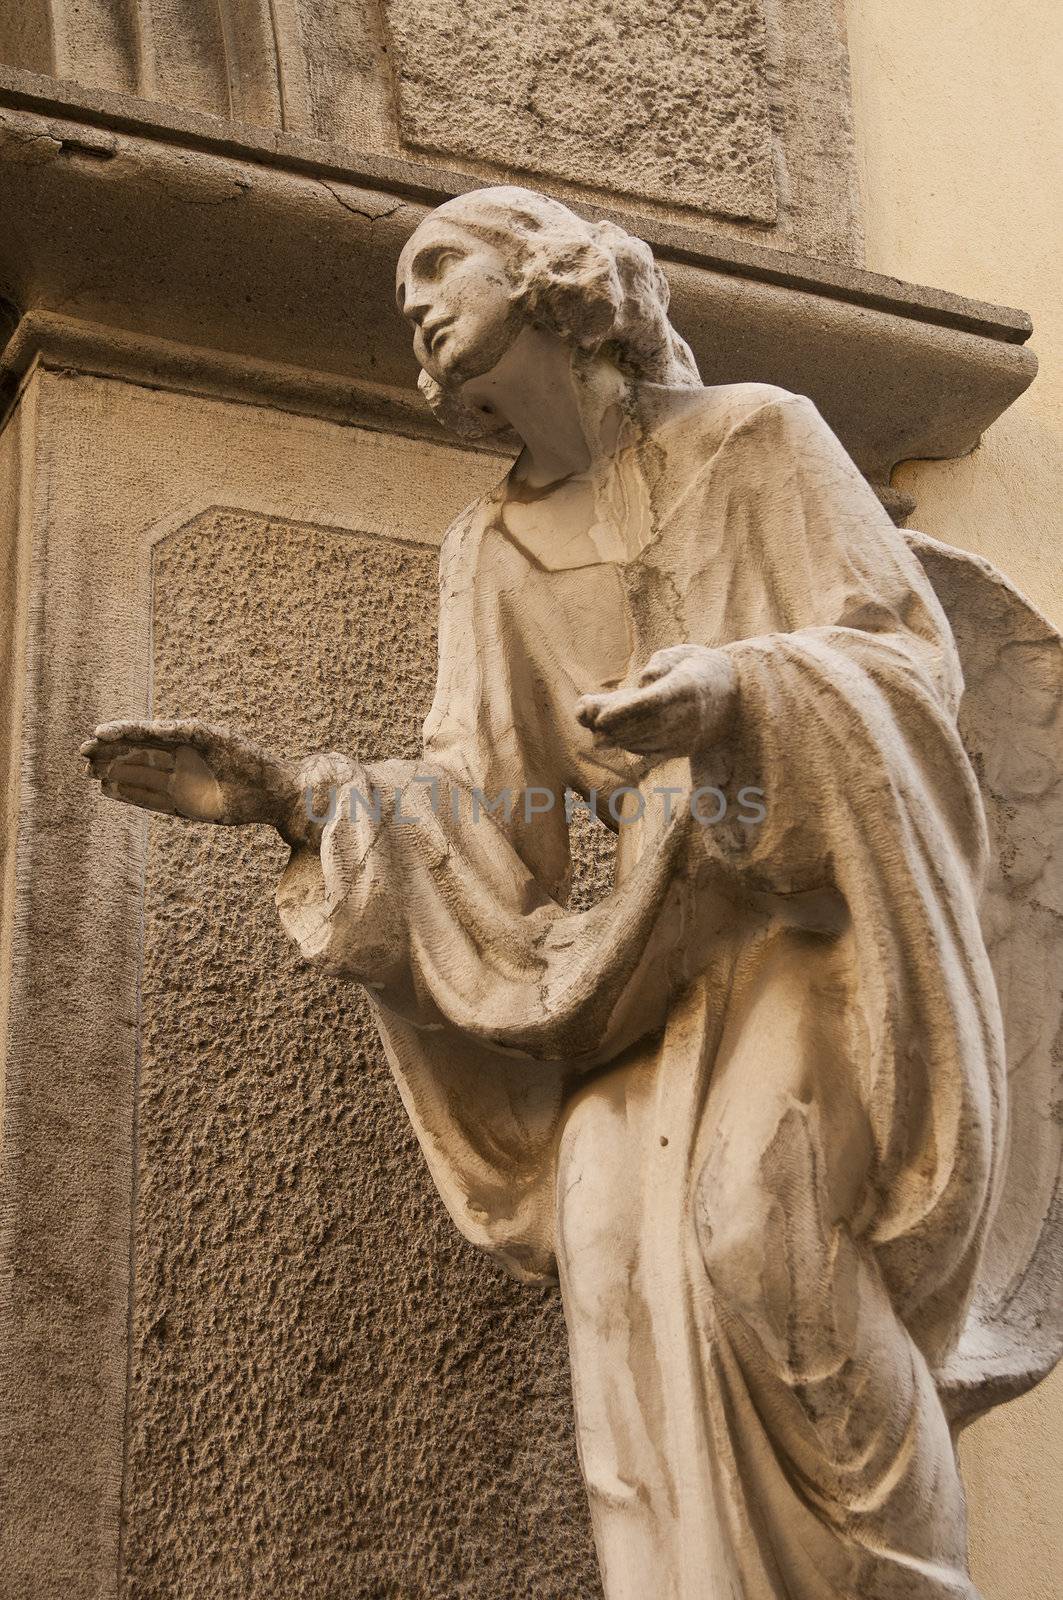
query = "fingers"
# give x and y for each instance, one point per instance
(594, 710)
(660, 718)
(626, 709)
(148, 761)
(601, 712)
(135, 752)
(663, 661)
(588, 707)
(151, 769)
(129, 771)
(162, 735)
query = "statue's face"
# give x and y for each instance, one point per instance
(455, 291)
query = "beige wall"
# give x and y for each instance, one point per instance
(960, 149)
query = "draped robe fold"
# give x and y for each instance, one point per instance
(748, 1108)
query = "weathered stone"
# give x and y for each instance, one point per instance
(203, 201)
(289, 1249)
(667, 101)
(898, 371)
(128, 466)
(722, 106)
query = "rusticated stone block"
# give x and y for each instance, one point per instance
(665, 100)
(330, 1394)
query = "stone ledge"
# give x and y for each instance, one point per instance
(431, 185)
(268, 258)
(67, 344)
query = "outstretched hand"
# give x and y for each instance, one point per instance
(190, 769)
(684, 703)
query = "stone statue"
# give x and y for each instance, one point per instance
(776, 1112)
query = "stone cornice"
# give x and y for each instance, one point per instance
(261, 264)
(71, 344)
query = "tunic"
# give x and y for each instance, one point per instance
(749, 1109)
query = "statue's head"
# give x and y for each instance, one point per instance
(484, 265)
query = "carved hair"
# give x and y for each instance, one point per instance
(590, 282)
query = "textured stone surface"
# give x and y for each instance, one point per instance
(109, 469)
(735, 107)
(332, 1396)
(69, 991)
(665, 99)
(16, 472)
(730, 106)
(968, 218)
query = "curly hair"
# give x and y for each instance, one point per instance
(591, 283)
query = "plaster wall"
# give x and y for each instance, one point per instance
(960, 148)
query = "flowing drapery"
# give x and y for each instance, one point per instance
(750, 1107)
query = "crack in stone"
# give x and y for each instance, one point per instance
(370, 216)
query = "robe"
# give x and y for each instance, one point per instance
(749, 1109)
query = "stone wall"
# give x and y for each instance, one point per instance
(320, 1364)
(325, 1391)
(732, 109)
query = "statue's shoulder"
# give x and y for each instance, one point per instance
(468, 527)
(710, 412)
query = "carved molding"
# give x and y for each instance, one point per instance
(237, 59)
(173, 251)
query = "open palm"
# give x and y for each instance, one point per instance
(190, 769)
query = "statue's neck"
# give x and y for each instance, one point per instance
(569, 409)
